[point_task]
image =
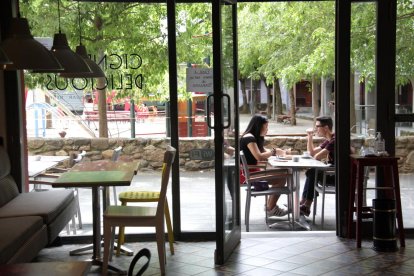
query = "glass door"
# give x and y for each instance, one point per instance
(404, 108)
(223, 104)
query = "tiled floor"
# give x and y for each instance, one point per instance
(263, 251)
(270, 253)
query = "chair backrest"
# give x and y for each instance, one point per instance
(116, 154)
(73, 160)
(169, 156)
(327, 171)
(271, 174)
(245, 168)
(79, 157)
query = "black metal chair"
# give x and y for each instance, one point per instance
(322, 188)
(266, 175)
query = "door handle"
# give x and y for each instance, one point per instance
(208, 111)
(228, 111)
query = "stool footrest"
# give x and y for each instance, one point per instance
(364, 209)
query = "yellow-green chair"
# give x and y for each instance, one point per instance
(145, 196)
(141, 216)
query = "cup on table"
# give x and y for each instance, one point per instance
(295, 158)
(37, 157)
(306, 154)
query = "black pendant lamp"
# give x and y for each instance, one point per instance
(96, 71)
(24, 51)
(71, 62)
(4, 60)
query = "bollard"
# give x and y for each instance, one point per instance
(384, 225)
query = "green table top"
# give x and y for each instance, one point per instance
(106, 165)
(94, 178)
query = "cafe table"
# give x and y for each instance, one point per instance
(97, 175)
(38, 164)
(297, 166)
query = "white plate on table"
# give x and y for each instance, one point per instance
(278, 158)
(306, 157)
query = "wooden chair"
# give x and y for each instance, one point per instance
(266, 175)
(322, 189)
(141, 216)
(115, 156)
(145, 196)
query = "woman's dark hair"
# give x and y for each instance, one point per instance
(254, 127)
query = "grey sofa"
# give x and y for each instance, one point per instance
(29, 221)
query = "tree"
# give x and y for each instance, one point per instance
(294, 41)
(128, 40)
(286, 41)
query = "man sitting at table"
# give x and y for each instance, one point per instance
(325, 151)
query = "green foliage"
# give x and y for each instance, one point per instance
(405, 46)
(111, 32)
(292, 41)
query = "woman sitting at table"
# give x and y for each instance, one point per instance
(252, 145)
(325, 151)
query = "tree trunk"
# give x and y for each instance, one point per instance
(316, 97)
(101, 83)
(103, 121)
(245, 107)
(269, 102)
(292, 99)
(278, 97)
(352, 114)
(253, 103)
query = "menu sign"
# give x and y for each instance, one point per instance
(199, 79)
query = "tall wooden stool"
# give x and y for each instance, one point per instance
(145, 196)
(391, 190)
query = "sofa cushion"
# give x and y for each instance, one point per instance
(47, 204)
(8, 189)
(17, 233)
(55, 227)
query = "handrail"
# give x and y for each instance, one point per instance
(66, 110)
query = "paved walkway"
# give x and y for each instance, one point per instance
(153, 127)
(275, 128)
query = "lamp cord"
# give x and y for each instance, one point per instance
(79, 23)
(59, 15)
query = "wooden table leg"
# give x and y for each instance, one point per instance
(359, 181)
(398, 203)
(351, 200)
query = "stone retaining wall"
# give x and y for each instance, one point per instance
(149, 151)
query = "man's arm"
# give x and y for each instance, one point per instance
(321, 154)
(309, 146)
